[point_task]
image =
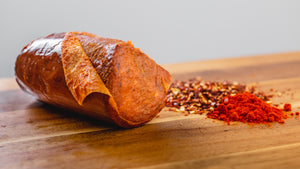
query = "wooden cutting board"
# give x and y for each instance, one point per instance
(34, 135)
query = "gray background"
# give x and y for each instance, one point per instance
(169, 31)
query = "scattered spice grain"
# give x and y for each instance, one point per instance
(287, 107)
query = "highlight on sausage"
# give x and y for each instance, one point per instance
(108, 79)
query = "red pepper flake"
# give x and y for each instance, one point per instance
(3, 125)
(287, 107)
(292, 114)
(246, 108)
(297, 113)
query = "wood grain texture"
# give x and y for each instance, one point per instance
(36, 135)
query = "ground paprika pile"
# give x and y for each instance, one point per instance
(246, 107)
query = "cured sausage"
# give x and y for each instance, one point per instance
(108, 79)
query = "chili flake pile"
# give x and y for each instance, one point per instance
(196, 96)
(227, 101)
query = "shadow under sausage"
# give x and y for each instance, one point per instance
(56, 112)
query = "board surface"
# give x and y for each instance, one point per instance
(35, 135)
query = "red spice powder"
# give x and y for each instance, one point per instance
(287, 107)
(246, 107)
(297, 113)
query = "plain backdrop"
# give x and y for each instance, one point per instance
(169, 31)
